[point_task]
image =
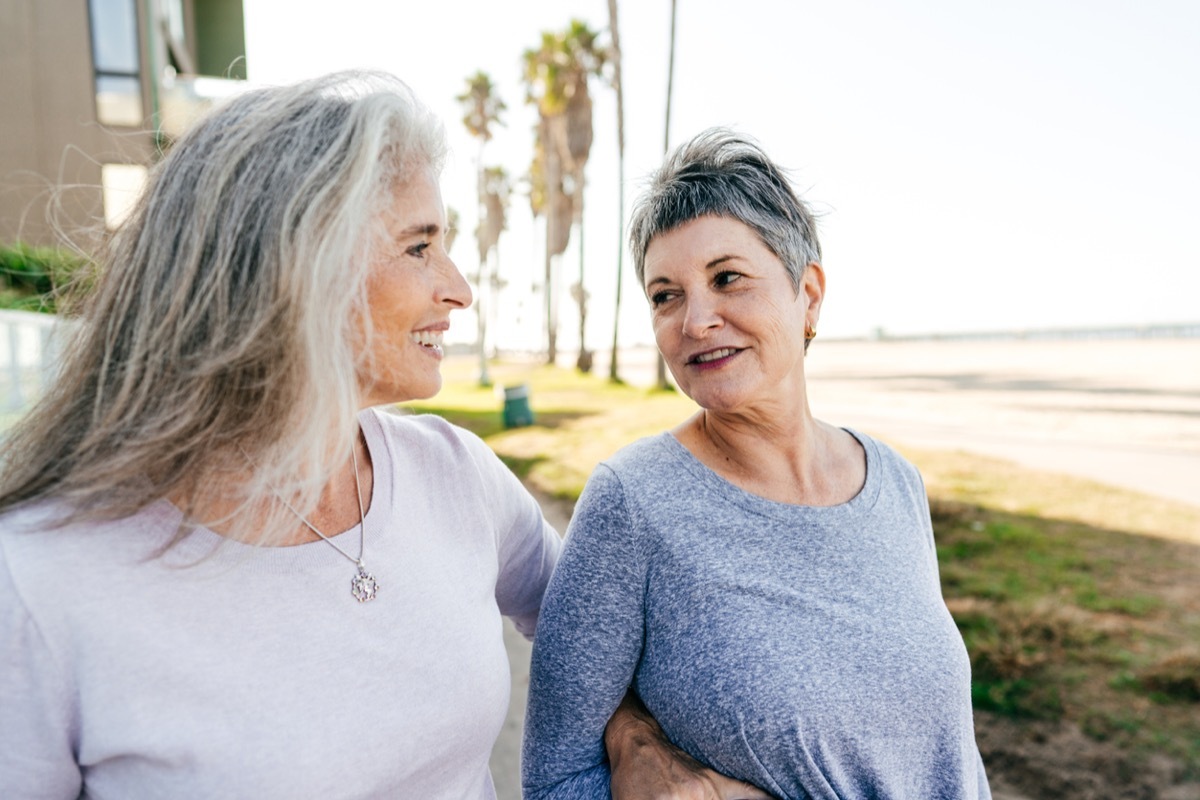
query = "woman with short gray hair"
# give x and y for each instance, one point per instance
(224, 570)
(767, 582)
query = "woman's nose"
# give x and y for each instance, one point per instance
(700, 316)
(454, 290)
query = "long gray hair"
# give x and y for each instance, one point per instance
(722, 174)
(223, 347)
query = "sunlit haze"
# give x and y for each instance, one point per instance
(976, 166)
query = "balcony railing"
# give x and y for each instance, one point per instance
(184, 98)
(29, 347)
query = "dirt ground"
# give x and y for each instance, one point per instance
(1045, 761)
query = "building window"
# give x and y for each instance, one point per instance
(116, 62)
(121, 184)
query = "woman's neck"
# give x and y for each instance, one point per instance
(790, 458)
(225, 509)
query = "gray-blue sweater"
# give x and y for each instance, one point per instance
(806, 650)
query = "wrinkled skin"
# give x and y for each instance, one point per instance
(646, 766)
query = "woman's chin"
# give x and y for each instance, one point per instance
(715, 398)
(380, 395)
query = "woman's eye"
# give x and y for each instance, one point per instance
(726, 278)
(418, 250)
(658, 298)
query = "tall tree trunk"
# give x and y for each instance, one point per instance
(494, 288)
(616, 43)
(553, 237)
(551, 322)
(584, 362)
(482, 301)
(661, 379)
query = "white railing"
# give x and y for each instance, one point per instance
(185, 98)
(28, 354)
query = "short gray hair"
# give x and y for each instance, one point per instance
(719, 173)
(229, 319)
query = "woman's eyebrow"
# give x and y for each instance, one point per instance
(422, 229)
(719, 260)
(716, 262)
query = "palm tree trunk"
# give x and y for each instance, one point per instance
(494, 288)
(481, 300)
(553, 187)
(584, 362)
(551, 322)
(661, 379)
(616, 43)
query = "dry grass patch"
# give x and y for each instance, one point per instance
(1070, 622)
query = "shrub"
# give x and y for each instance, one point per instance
(31, 276)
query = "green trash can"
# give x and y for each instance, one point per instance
(517, 413)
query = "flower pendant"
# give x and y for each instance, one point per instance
(363, 586)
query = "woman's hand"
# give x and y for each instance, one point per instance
(644, 765)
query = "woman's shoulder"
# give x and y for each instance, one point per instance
(639, 473)
(650, 453)
(424, 430)
(428, 447)
(43, 555)
(878, 450)
(54, 519)
(890, 465)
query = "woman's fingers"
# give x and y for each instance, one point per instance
(729, 789)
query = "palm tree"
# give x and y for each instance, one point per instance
(556, 79)
(482, 107)
(661, 376)
(452, 222)
(496, 189)
(616, 82)
(547, 197)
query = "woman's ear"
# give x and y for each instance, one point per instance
(812, 286)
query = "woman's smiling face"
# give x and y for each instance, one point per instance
(726, 318)
(412, 288)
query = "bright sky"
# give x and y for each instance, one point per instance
(977, 166)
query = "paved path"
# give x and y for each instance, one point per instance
(506, 755)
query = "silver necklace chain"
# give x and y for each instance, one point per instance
(363, 586)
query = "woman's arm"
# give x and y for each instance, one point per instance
(582, 721)
(527, 547)
(588, 642)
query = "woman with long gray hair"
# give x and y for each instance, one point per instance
(767, 581)
(224, 571)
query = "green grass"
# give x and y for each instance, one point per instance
(1077, 601)
(579, 420)
(30, 277)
